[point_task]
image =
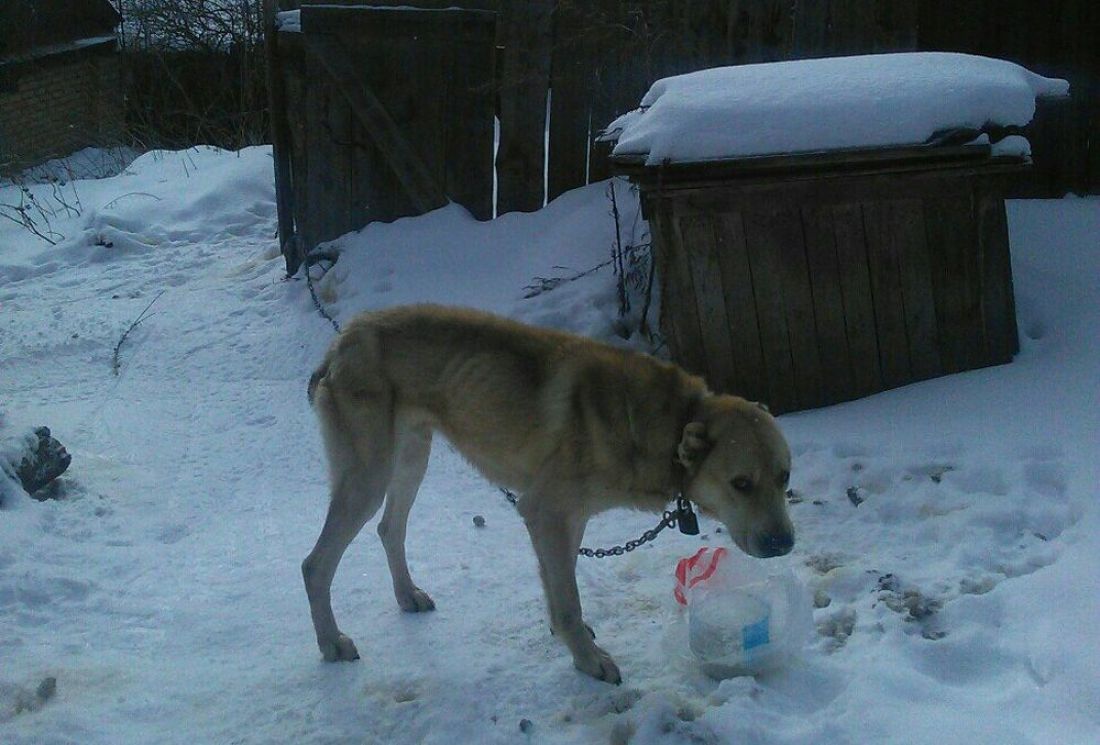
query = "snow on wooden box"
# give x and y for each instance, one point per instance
(827, 229)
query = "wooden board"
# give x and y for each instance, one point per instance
(909, 237)
(571, 76)
(280, 141)
(819, 229)
(798, 305)
(467, 148)
(952, 238)
(417, 179)
(997, 300)
(525, 38)
(750, 375)
(765, 232)
(680, 321)
(701, 251)
(886, 293)
(855, 289)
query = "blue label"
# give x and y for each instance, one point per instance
(755, 634)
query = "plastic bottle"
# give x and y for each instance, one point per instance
(743, 617)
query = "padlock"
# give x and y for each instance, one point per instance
(685, 518)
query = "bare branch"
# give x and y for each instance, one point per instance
(115, 361)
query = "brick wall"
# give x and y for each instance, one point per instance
(54, 105)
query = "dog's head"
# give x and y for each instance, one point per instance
(737, 466)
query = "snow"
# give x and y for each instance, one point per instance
(826, 104)
(289, 21)
(163, 592)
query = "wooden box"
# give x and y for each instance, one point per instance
(802, 281)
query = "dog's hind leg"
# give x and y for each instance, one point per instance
(413, 446)
(359, 445)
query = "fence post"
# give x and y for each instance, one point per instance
(280, 142)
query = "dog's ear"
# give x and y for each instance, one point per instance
(694, 445)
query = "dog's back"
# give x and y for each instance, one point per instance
(511, 396)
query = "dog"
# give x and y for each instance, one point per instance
(574, 426)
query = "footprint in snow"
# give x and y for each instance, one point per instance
(922, 532)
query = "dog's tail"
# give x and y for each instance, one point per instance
(315, 379)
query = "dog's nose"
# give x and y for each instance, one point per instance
(777, 544)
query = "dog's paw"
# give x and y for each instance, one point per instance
(415, 601)
(343, 648)
(599, 665)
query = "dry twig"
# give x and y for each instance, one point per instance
(116, 363)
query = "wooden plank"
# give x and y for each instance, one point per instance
(997, 298)
(852, 26)
(951, 239)
(525, 35)
(826, 188)
(776, 27)
(810, 31)
(1090, 62)
(317, 147)
(679, 316)
(618, 79)
(338, 124)
(280, 142)
(798, 306)
(415, 177)
(467, 148)
(896, 24)
(858, 299)
(392, 64)
(293, 72)
(764, 235)
(828, 302)
(608, 42)
(660, 216)
(909, 241)
(750, 375)
(571, 69)
(835, 162)
(882, 256)
(701, 252)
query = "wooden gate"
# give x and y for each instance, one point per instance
(390, 114)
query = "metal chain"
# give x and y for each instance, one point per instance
(669, 519)
(317, 300)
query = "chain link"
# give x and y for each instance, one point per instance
(667, 521)
(317, 301)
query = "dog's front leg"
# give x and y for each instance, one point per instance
(556, 538)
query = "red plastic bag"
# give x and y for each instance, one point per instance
(695, 569)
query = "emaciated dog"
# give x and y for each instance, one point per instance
(574, 426)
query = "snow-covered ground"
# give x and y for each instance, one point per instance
(163, 592)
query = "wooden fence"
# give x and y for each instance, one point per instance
(383, 113)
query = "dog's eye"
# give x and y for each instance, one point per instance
(784, 478)
(742, 483)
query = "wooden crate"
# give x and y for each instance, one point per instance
(802, 281)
